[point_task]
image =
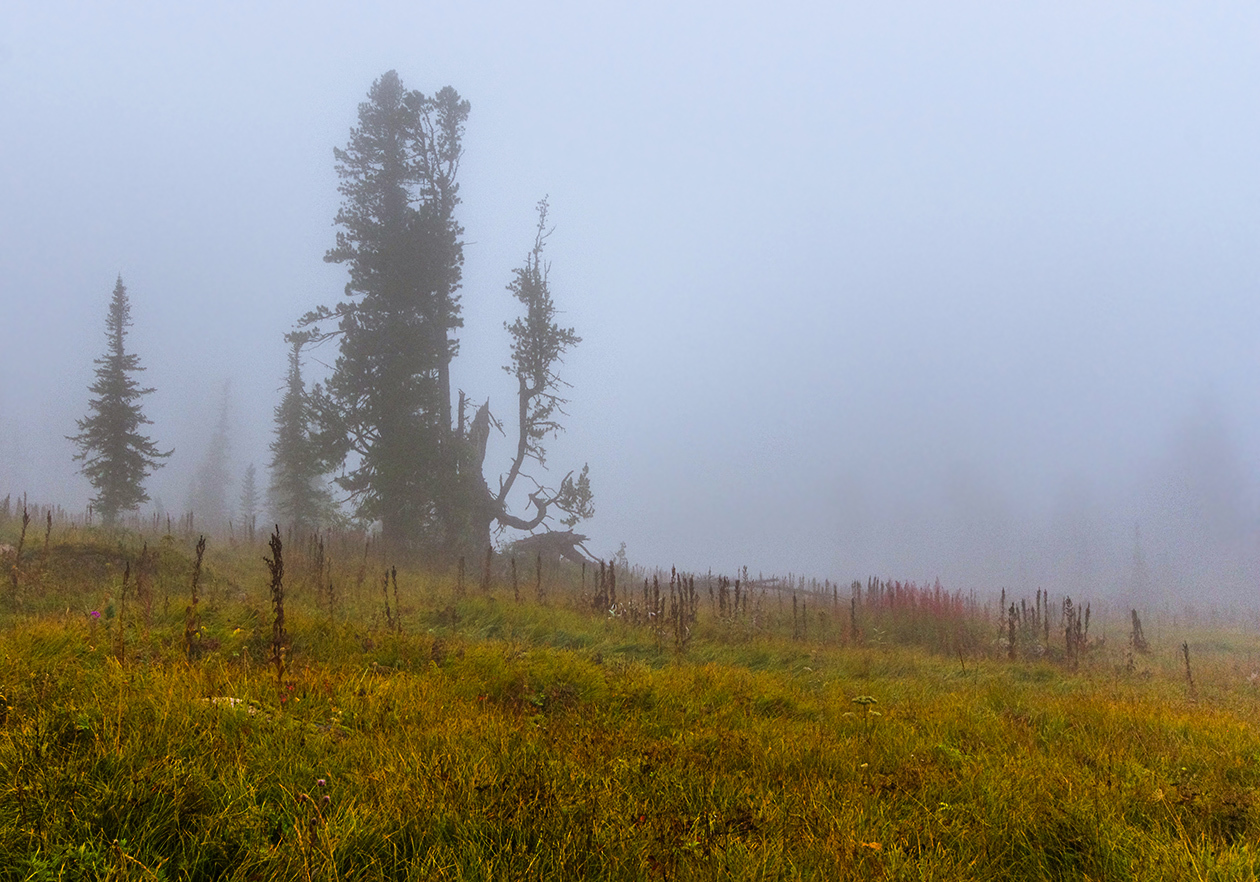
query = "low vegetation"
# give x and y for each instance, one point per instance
(537, 721)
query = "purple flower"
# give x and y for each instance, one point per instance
(321, 782)
(96, 613)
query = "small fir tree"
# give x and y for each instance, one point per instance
(298, 494)
(116, 457)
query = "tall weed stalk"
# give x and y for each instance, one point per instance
(191, 624)
(275, 564)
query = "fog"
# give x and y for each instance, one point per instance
(967, 290)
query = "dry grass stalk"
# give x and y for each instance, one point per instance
(389, 616)
(191, 625)
(1137, 640)
(393, 574)
(1185, 652)
(1076, 631)
(485, 570)
(17, 553)
(120, 639)
(144, 592)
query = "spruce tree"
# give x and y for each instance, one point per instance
(297, 495)
(390, 390)
(116, 457)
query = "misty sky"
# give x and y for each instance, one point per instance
(910, 289)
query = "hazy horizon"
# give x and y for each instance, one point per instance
(968, 292)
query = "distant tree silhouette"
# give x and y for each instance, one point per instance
(116, 457)
(298, 495)
(249, 501)
(209, 498)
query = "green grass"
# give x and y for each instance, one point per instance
(490, 740)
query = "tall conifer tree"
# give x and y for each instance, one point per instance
(389, 395)
(116, 457)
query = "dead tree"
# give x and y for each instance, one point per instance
(538, 347)
(555, 545)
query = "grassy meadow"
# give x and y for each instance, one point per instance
(473, 724)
